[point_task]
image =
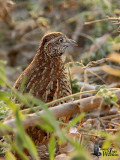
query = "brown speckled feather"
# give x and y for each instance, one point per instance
(46, 76)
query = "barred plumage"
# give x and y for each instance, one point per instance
(46, 76)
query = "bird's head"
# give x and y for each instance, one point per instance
(54, 44)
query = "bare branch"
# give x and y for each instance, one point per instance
(98, 62)
(106, 19)
(86, 104)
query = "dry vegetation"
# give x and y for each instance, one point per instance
(94, 70)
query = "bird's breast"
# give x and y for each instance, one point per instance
(49, 83)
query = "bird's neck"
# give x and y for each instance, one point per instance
(43, 61)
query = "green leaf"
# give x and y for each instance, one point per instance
(23, 83)
(24, 138)
(97, 88)
(19, 151)
(19, 125)
(110, 40)
(114, 98)
(32, 147)
(105, 90)
(51, 148)
(30, 6)
(99, 93)
(5, 127)
(117, 39)
(2, 73)
(46, 127)
(5, 97)
(103, 86)
(10, 156)
(75, 120)
(107, 100)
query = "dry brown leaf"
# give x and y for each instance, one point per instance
(112, 71)
(115, 57)
(116, 46)
(6, 7)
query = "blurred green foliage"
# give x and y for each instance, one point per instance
(21, 139)
(75, 87)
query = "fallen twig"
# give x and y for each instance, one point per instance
(62, 110)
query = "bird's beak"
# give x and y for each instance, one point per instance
(69, 42)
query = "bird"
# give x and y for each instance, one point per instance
(47, 66)
(46, 77)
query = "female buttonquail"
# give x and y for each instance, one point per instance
(46, 77)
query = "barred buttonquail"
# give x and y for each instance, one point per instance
(46, 75)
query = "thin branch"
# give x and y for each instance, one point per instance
(98, 62)
(105, 19)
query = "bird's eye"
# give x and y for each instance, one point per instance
(46, 40)
(60, 40)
